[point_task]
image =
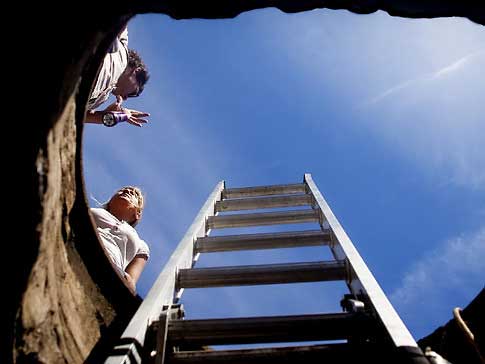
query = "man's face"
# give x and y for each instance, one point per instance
(121, 205)
(127, 85)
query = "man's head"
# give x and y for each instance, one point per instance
(127, 204)
(132, 81)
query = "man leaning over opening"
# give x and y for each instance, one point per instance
(123, 74)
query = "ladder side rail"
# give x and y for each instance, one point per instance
(363, 280)
(162, 291)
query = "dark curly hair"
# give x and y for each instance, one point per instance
(142, 76)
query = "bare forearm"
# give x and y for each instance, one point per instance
(135, 267)
(130, 282)
(94, 117)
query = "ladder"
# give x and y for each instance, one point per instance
(367, 330)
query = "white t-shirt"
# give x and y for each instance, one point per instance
(120, 239)
(114, 64)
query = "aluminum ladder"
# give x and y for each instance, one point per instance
(368, 330)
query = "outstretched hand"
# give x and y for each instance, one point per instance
(135, 117)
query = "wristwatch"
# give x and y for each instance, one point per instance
(111, 118)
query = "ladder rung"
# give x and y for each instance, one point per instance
(292, 239)
(246, 275)
(263, 202)
(308, 354)
(264, 218)
(264, 190)
(252, 330)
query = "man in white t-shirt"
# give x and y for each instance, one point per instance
(123, 74)
(115, 222)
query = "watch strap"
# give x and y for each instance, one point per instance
(120, 116)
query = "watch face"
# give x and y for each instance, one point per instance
(109, 119)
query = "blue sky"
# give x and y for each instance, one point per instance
(386, 113)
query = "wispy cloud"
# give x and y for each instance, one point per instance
(395, 89)
(456, 65)
(444, 278)
(437, 121)
(422, 100)
(453, 67)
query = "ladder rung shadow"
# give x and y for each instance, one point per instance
(263, 190)
(308, 354)
(246, 275)
(263, 203)
(269, 329)
(263, 218)
(291, 239)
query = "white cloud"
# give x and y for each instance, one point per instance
(456, 65)
(447, 277)
(437, 121)
(459, 261)
(453, 67)
(415, 84)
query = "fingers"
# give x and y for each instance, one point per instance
(137, 113)
(137, 122)
(136, 117)
(134, 122)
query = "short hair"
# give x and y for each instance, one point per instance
(142, 76)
